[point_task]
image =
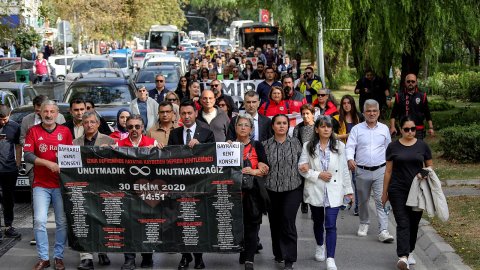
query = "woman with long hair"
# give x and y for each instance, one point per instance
(248, 70)
(347, 118)
(323, 163)
(284, 187)
(182, 88)
(325, 102)
(204, 74)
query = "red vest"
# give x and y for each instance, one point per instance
(41, 67)
(145, 141)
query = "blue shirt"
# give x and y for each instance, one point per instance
(142, 108)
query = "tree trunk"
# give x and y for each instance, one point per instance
(359, 30)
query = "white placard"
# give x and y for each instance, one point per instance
(228, 155)
(69, 156)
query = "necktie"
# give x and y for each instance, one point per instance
(189, 137)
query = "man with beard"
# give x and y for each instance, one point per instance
(412, 102)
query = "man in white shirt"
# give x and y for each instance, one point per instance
(366, 148)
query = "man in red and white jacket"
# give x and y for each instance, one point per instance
(41, 69)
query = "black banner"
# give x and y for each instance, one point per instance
(141, 200)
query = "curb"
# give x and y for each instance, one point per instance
(437, 249)
(450, 183)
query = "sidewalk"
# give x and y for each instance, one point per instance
(352, 252)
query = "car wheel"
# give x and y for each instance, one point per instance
(61, 78)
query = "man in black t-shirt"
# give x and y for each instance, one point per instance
(10, 160)
(372, 87)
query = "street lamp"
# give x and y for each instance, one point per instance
(208, 24)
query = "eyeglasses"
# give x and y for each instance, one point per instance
(171, 99)
(142, 90)
(92, 122)
(243, 125)
(158, 80)
(411, 81)
(411, 129)
(137, 127)
(235, 71)
(322, 95)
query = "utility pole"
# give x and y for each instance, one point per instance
(320, 58)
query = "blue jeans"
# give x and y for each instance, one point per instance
(41, 201)
(325, 219)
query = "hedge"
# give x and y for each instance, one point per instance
(461, 143)
(458, 117)
(465, 86)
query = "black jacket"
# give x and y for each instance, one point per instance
(202, 134)
(264, 126)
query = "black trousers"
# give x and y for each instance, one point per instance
(133, 255)
(250, 239)
(407, 221)
(282, 216)
(8, 182)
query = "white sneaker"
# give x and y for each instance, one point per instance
(385, 237)
(331, 264)
(402, 263)
(320, 253)
(362, 230)
(411, 259)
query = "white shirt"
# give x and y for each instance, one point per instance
(255, 131)
(192, 131)
(368, 145)
(37, 120)
(78, 131)
(209, 116)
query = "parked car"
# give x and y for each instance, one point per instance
(9, 99)
(167, 61)
(58, 63)
(23, 92)
(8, 60)
(124, 62)
(108, 94)
(7, 72)
(146, 76)
(105, 73)
(139, 55)
(84, 63)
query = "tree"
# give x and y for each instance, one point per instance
(25, 38)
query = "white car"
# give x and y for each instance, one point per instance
(124, 62)
(167, 61)
(58, 63)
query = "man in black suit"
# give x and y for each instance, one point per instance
(190, 134)
(77, 109)
(262, 129)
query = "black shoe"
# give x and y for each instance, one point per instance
(249, 266)
(199, 264)
(12, 233)
(147, 262)
(278, 260)
(103, 259)
(304, 208)
(241, 258)
(259, 247)
(288, 266)
(185, 261)
(33, 242)
(86, 264)
(129, 264)
(355, 212)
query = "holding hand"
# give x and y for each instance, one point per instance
(325, 176)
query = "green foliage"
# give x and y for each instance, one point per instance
(439, 105)
(25, 38)
(465, 85)
(460, 143)
(343, 77)
(459, 117)
(454, 68)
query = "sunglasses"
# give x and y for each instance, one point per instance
(214, 85)
(322, 95)
(172, 99)
(142, 90)
(411, 129)
(158, 80)
(308, 73)
(137, 127)
(410, 81)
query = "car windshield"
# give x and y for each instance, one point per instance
(121, 61)
(79, 66)
(156, 64)
(139, 54)
(28, 94)
(148, 76)
(101, 94)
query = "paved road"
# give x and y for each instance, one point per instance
(352, 252)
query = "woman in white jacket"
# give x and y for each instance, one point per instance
(323, 163)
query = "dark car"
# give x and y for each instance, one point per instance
(7, 72)
(24, 92)
(7, 60)
(146, 76)
(108, 94)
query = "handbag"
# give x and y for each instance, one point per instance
(248, 179)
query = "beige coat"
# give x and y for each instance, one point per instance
(428, 195)
(101, 140)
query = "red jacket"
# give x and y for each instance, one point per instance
(271, 108)
(145, 141)
(331, 109)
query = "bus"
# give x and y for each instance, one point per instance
(234, 30)
(257, 34)
(197, 35)
(160, 36)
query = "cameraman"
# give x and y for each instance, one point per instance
(309, 85)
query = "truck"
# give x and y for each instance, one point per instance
(160, 36)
